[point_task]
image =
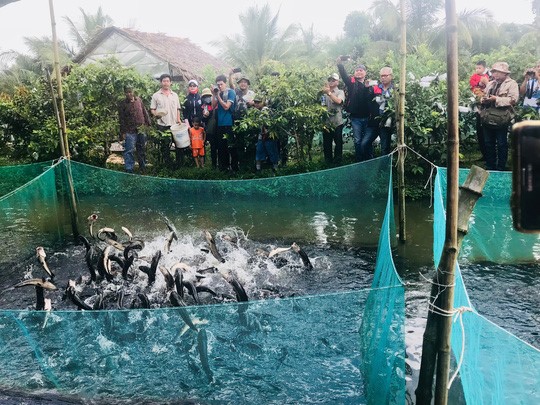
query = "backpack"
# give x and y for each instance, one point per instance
(240, 108)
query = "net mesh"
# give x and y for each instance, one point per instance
(13, 177)
(498, 367)
(342, 347)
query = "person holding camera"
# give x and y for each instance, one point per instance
(209, 119)
(530, 88)
(333, 99)
(223, 102)
(497, 112)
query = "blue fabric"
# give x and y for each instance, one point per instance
(363, 139)
(225, 117)
(134, 142)
(267, 148)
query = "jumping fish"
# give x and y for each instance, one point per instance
(133, 246)
(277, 251)
(303, 256)
(241, 295)
(172, 236)
(74, 297)
(128, 233)
(151, 271)
(41, 284)
(179, 282)
(169, 279)
(91, 220)
(108, 234)
(41, 255)
(212, 246)
(90, 256)
(145, 302)
(192, 290)
(202, 346)
(127, 264)
(178, 302)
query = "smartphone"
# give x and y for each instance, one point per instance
(344, 57)
(526, 176)
(237, 70)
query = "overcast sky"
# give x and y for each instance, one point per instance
(189, 19)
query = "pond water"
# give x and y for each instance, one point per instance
(507, 295)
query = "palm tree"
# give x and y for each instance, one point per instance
(260, 40)
(82, 32)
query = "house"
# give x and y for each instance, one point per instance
(150, 53)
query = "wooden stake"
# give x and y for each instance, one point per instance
(401, 124)
(469, 194)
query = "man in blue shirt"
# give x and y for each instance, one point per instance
(223, 99)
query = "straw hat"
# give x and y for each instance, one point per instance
(206, 92)
(501, 67)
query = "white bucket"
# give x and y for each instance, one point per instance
(180, 135)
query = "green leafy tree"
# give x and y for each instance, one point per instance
(89, 25)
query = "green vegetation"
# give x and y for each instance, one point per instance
(287, 68)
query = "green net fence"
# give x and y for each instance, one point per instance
(497, 367)
(345, 345)
(13, 177)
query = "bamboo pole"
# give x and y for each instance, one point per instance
(56, 112)
(401, 124)
(469, 194)
(451, 242)
(60, 94)
(63, 129)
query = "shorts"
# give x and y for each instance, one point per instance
(197, 152)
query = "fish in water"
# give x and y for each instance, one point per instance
(179, 303)
(277, 251)
(151, 271)
(41, 255)
(71, 293)
(303, 256)
(169, 278)
(91, 221)
(172, 236)
(212, 246)
(106, 233)
(128, 233)
(202, 346)
(41, 284)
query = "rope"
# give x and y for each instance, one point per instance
(457, 313)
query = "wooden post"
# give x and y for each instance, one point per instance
(63, 130)
(401, 124)
(469, 194)
(56, 112)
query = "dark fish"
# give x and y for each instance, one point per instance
(192, 290)
(172, 236)
(151, 271)
(202, 346)
(169, 279)
(41, 284)
(127, 264)
(120, 300)
(212, 246)
(133, 245)
(208, 270)
(91, 220)
(106, 233)
(85, 242)
(74, 297)
(205, 289)
(179, 303)
(98, 303)
(145, 302)
(179, 283)
(241, 295)
(303, 256)
(117, 259)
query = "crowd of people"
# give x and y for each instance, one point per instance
(209, 116)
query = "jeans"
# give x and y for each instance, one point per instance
(333, 136)
(385, 135)
(363, 139)
(134, 142)
(496, 144)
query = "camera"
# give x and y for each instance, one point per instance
(526, 176)
(237, 70)
(344, 57)
(530, 72)
(215, 89)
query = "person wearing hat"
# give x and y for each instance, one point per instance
(501, 94)
(132, 115)
(267, 142)
(333, 132)
(244, 95)
(359, 98)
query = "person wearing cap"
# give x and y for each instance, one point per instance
(132, 115)
(210, 124)
(383, 92)
(192, 105)
(165, 106)
(333, 132)
(244, 95)
(530, 87)
(359, 97)
(501, 93)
